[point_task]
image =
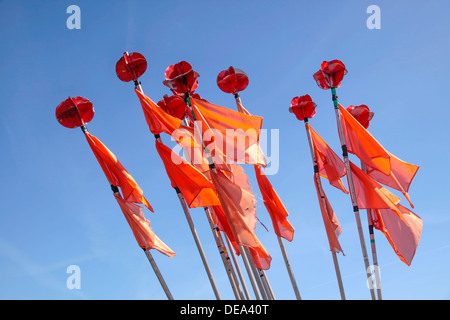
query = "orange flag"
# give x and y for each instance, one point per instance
(331, 167)
(361, 143)
(157, 119)
(274, 206)
(116, 173)
(140, 226)
(222, 223)
(261, 257)
(403, 234)
(399, 178)
(370, 194)
(193, 185)
(239, 208)
(235, 134)
(332, 227)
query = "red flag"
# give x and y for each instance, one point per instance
(116, 173)
(235, 134)
(239, 208)
(331, 167)
(193, 185)
(400, 177)
(140, 226)
(157, 119)
(361, 143)
(261, 257)
(370, 194)
(332, 227)
(222, 223)
(274, 206)
(403, 234)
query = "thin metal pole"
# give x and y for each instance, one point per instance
(238, 269)
(256, 274)
(250, 274)
(373, 246)
(352, 190)
(322, 197)
(225, 258)
(288, 266)
(266, 284)
(197, 242)
(158, 274)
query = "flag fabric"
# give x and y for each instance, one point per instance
(399, 178)
(370, 194)
(235, 134)
(274, 206)
(190, 140)
(362, 144)
(193, 185)
(157, 119)
(239, 208)
(222, 223)
(403, 234)
(261, 257)
(140, 226)
(331, 167)
(332, 226)
(116, 174)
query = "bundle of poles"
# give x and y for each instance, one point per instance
(77, 112)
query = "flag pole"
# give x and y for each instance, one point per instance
(280, 241)
(158, 274)
(289, 269)
(322, 197)
(238, 269)
(224, 254)
(149, 256)
(352, 189)
(133, 75)
(373, 246)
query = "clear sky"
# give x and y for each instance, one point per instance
(57, 209)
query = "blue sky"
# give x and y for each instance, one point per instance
(57, 209)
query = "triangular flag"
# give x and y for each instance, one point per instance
(261, 257)
(239, 208)
(362, 144)
(400, 177)
(140, 226)
(116, 173)
(274, 206)
(193, 185)
(235, 134)
(370, 194)
(331, 167)
(403, 234)
(332, 226)
(157, 119)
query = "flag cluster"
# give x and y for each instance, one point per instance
(216, 141)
